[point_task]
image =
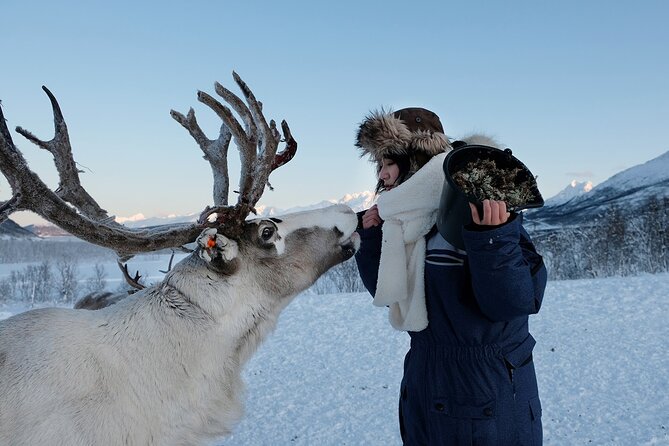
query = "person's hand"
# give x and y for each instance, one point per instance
(371, 218)
(494, 213)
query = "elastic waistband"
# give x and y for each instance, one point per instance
(457, 351)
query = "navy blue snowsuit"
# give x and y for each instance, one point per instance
(469, 377)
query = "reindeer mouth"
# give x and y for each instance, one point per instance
(350, 246)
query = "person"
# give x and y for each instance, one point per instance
(469, 375)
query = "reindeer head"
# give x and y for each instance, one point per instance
(286, 255)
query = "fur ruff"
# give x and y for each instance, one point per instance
(430, 143)
(381, 134)
(482, 139)
(409, 212)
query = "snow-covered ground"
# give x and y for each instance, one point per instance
(330, 373)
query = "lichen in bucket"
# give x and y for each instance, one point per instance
(483, 180)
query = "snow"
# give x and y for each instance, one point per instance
(330, 373)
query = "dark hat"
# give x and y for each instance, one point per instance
(414, 132)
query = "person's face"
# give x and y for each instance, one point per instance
(388, 173)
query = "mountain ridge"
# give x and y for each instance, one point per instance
(628, 190)
(578, 203)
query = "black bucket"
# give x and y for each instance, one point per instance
(454, 212)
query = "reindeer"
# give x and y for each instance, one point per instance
(161, 367)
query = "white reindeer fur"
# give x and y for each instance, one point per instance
(161, 367)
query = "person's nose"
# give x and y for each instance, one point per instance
(383, 174)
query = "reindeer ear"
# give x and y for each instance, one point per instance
(216, 249)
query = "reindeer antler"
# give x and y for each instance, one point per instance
(257, 142)
(74, 210)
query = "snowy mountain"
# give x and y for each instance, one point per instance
(574, 189)
(357, 201)
(578, 203)
(139, 221)
(628, 190)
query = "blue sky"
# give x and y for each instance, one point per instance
(578, 90)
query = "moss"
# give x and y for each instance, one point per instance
(482, 179)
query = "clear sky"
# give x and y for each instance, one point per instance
(578, 89)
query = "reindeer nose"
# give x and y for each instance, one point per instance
(345, 221)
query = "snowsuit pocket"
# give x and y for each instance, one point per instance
(463, 420)
(528, 415)
(535, 412)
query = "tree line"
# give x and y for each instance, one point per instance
(619, 242)
(51, 282)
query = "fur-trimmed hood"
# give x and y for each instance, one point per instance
(413, 132)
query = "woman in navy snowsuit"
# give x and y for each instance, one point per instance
(469, 376)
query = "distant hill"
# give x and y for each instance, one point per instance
(577, 204)
(47, 231)
(629, 191)
(10, 229)
(617, 228)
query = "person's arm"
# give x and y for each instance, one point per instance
(368, 256)
(508, 275)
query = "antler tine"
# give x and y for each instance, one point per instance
(288, 153)
(8, 207)
(132, 281)
(71, 208)
(30, 193)
(268, 145)
(238, 105)
(7, 148)
(245, 142)
(215, 152)
(5, 136)
(248, 153)
(69, 188)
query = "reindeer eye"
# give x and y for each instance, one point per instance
(267, 233)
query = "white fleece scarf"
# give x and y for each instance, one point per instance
(409, 211)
